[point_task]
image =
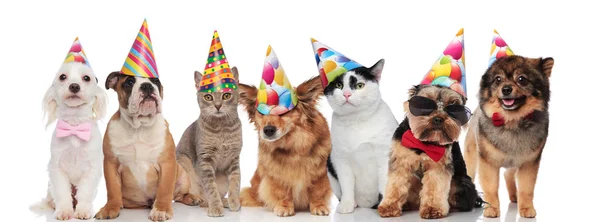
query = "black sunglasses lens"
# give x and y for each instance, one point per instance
(421, 106)
(461, 113)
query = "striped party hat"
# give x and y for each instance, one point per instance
(76, 54)
(449, 69)
(331, 63)
(140, 60)
(275, 95)
(217, 75)
(499, 48)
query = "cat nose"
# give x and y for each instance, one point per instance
(347, 94)
(269, 130)
(218, 107)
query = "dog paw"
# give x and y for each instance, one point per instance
(389, 211)
(527, 212)
(160, 215)
(346, 207)
(63, 214)
(319, 210)
(234, 204)
(191, 200)
(432, 213)
(513, 198)
(284, 211)
(83, 214)
(108, 212)
(491, 212)
(215, 211)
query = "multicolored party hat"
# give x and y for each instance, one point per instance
(217, 75)
(331, 63)
(449, 69)
(276, 95)
(76, 54)
(140, 60)
(499, 48)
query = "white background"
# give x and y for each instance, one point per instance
(35, 37)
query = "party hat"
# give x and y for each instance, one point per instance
(449, 69)
(217, 75)
(331, 63)
(276, 95)
(76, 54)
(140, 60)
(499, 48)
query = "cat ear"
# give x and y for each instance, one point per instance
(377, 69)
(248, 99)
(197, 78)
(308, 92)
(236, 75)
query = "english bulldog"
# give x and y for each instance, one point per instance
(140, 168)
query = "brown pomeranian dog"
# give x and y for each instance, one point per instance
(426, 167)
(292, 155)
(509, 129)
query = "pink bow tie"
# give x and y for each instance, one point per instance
(64, 129)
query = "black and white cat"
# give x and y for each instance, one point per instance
(361, 135)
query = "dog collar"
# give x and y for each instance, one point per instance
(498, 119)
(83, 131)
(435, 152)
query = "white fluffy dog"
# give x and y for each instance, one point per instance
(75, 166)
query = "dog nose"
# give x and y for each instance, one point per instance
(437, 120)
(269, 130)
(74, 87)
(347, 94)
(506, 90)
(147, 88)
(218, 107)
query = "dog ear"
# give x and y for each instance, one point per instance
(377, 69)
(236, 75)
(49, 105)
(112, 79)
(309, 91)
(248, 99)
(544, 65)
(99, 107)
(197, 79)
(413, 91)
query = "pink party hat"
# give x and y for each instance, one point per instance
(499, 48)
(140, 60)
(331, 63)
(76, 54)
(449, 69)
(276, 95)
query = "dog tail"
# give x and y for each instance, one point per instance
(43, 205)
(249, 198)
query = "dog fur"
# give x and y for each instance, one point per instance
(75, 165)
(139, 152)
(292, 170)
(518, 144)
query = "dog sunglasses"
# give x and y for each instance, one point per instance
(423, 106)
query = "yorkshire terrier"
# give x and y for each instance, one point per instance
(426, 168)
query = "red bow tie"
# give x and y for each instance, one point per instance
(435, 152)
(498, 119)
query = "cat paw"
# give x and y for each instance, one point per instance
(108, 212)
(346, 207)
(491, 212)
(234, 204)
(389, 211)
(64, 213)
(528, 212)
(432, 213)
(319, 210)
(160, 214)
(215, 211)
(282, 211)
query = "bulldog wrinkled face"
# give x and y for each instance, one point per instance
(140, 97)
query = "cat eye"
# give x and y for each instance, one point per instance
(498, 79)
(62, 77)
(522, 80)
(360, 85)
(339, 85)
(226, 96)
(208, 97)
(423, 106)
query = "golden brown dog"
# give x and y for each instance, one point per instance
(139, 153)
(292, 171)
(509, 129)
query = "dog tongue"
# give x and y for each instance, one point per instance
(508, 102)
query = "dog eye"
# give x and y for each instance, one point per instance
(522, 80)
(129, 82)
(62, 77)
(226, 96)
(339, 85)
(155, 81)
(86, 78)
(208, 97)
(360, 85)
(498, 79)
